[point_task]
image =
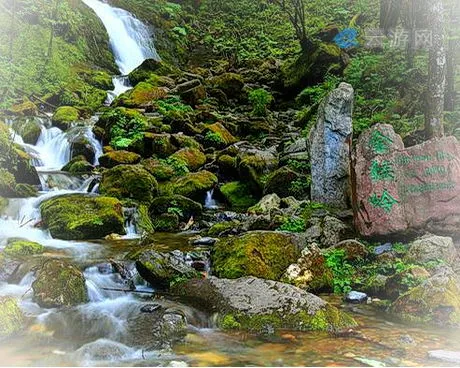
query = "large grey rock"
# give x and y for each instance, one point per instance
(432, 248)
(257, 304)
(330, 142)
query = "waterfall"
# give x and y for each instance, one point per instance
(130, 40)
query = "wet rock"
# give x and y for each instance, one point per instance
(356, 297)
(265, 254)
(205, 241)
(59, 284)
(161, 269)
(436, 301)
(310, 271)
(129, 181)
(402, 190)
(330, 142)
(445, 356)
(259, 305)
(11, 317)
(432, 248)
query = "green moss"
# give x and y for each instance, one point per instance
(141, 95)
(59, 283)
(64, 116)
(22, 248)
(114, 158)
(238, 195)
(194, 185)
(193, 157)
(11, 317)
(327, 319)
(76, 217)
(129, 181)
(263, 254)
(220, 227)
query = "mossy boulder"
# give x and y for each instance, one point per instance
(142, 95)
(264, 254)
(193, 157)
(230, 83)
(59, 284)
(216, 135)
(129, 181)
(78, 165)
(11, 317)
(280, 182)
(114, 158)
(159, 169)
(185, 206)
(436, 301)
(77, 216)
(194, 185)
(166, 222)
(238, 195)
(160, 269)
(65, 116)
(28, 129)
(22, 248)
(25, 108)
(263, 306)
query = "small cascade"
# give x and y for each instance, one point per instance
(209, 202)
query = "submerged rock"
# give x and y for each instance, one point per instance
(259, 305)
(79, 216)
(265, 254)
(59, 284)
(11, 317)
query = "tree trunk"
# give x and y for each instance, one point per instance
(436, 72)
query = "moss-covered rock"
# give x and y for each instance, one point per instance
(59, 284)
(129, 181)
(194, 185)
(238, 195)
(193, 157)
(22, 248)
(230, 83)
(142, 95)
(264, 254)
(28, 129)
(216, 135)
(159, 169)
(436, 301)
(11, 317)
(76, 216)
(261, 306)
(114, 158)
(64, 116)
(221, 228)
(78, 165)
(280, 182)
(184, 206)
(166, 222)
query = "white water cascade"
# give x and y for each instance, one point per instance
(130, 40)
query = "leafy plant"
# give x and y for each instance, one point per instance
(293, 224)
(342, 271)
(260, 99)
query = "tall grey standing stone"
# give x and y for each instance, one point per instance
(330, 142)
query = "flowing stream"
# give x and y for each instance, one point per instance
(95, 333)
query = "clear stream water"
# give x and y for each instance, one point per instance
(95, 334)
